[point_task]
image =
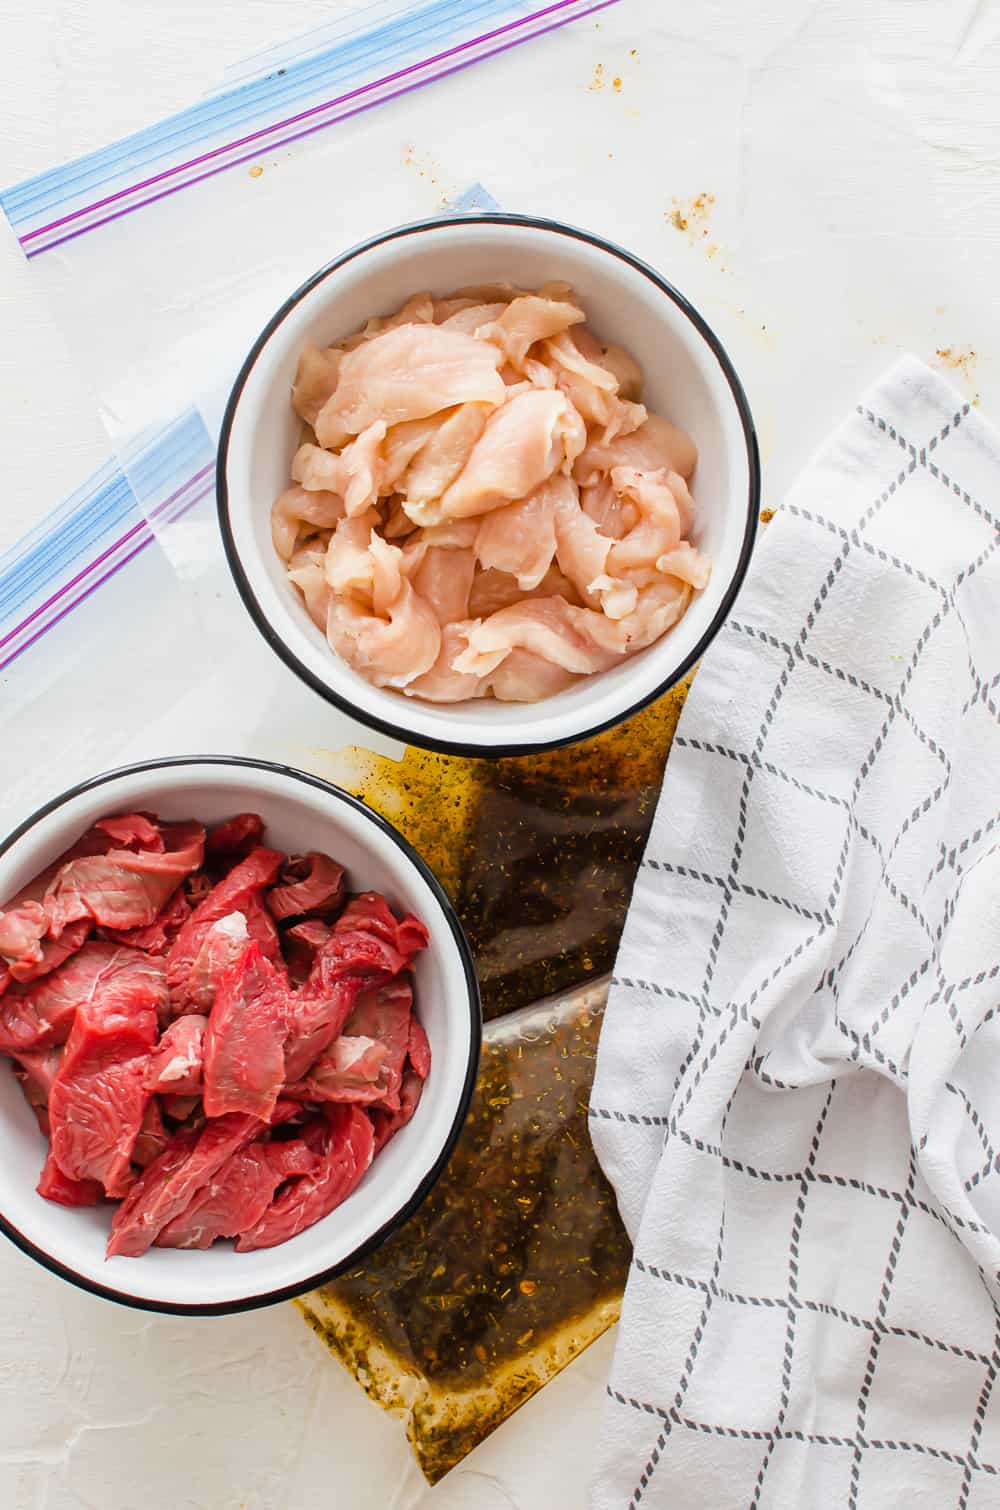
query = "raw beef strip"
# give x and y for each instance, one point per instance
(300, 945)
(366, 947)
(153, 1138)
(42, 1013)
(165, 1189)
(221, 943)
(41, 1066)
(419, 1048)
(22, 929)
(124, 888)
(36, 1095)
(176, 1063)
(233, 840)
(180, 1109)
(98, 1097)
(247, 1028)
(346, 1146)
(53, 953)
(157, 936)
(387, 1124)
(241, 891)
(311, 885)
(385, 1016)
(349, 1070)
(238, 1196)
(56, 1186)
(133, 831)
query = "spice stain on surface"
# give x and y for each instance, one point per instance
(256, 172)
(597, 82)
(958, 358)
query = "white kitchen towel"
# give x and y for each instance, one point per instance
(798, 1086)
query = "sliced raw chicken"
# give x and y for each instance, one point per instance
(297, 506)
(438, 463)
(442, 684)
(549, 627)
(391, 645)
(346, 1149)
(492, 590)
(655, 444)
(522, 445)
(521, 538)
(315, 380)
(405, 374)
(471, 317)
(687, 563)
(526, 320)
(525, 678)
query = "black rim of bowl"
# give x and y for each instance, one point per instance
(323, 1276)
(386, 726)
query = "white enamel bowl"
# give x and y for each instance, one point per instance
(689, 379)
(300, 813)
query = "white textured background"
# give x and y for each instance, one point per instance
(853, 151)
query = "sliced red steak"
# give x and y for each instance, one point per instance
(312, 885)
(387, 1124)
(52, 953)
(58, 1187)
(233, 840)
(349, 1070)
(157, 937)
(247, 1028)
(42, 1013)
(22, 929)
(153, 1136)
(222, 943)
(300, 945)
(98, 1096)
(239, 1194)
(124, 888)
(240, 892)
(165, 1189)
(366, 947)
(176, 1063)
(419, 1048)
(180, 1108)
(385, 1015)
(133, 831)
(346, 1145)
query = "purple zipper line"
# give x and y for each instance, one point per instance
(68, 608)
(68, 586)
(309, 130)
(303, 115)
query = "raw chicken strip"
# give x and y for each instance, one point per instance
(524, 678)
(528, 319)
(393, 648)
(492, 590)
(442, 458)
(521, 446)
(315, 380)
(306, 569)
(296, 508)
(355, 474)
(471, 317)
(655, 444)
(521, 538)
(687, 563)
(442, 684)
(549, 627)
(408, 373)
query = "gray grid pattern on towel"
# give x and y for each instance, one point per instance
(811, 1316)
